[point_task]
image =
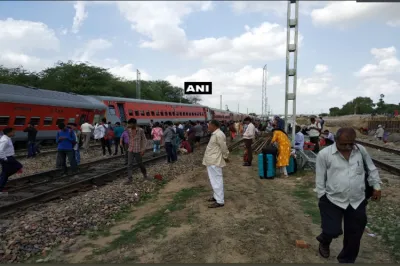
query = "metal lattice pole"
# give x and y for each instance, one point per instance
(264, 99)
(290, 95)
(138, 83)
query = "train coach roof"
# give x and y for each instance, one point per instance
(120, 99)
(30, 95)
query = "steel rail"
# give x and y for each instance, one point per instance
(375, 146)
(73, 186)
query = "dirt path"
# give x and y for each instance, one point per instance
(260, 223)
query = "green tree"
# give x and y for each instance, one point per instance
(334, 111)
(85, 79)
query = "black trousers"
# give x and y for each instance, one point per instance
(247, 144)
(117, 145)
(105, 143)
(62, 156)
(171, 157)
(315, 140)
(355, 221)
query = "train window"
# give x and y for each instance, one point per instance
(147, 113)
(4, 120)
(136, 113)
(152, 113)
(60, 120)
(130, 112)
(82, 119)
(71, 120)
(169, 113)
(111, 110)
(48, 121)
(19, 121)
(157, 113)
(142, 113)
(162, 113)
(96, 119)
(35, 120)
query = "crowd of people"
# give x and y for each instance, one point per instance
(346, 177)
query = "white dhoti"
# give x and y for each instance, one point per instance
(217, 182)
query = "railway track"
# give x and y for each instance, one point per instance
(24, 153)
(383, 157)
(28, 191)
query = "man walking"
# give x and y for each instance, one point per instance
(118, 130)
(32, 132)
(137, 147)
(215, 156)
(340, 185)
(8, 163)
(314, 132)
(86, 134)
(66, 139)
(248, 137)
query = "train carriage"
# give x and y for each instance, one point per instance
(45, 109)
(119, 109)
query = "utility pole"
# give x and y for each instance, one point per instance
(220, 102)
(264, 100)
(138, 92)
(238, 107)
(292, 23)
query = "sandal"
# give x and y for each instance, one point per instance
(215, 205)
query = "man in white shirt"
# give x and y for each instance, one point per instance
(379, 132)
(314, 130)
(215, 156)
(86, 130)
(340, 185)
(299, 139)
(248, 137)
(9, 164)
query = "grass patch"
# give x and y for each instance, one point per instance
(156, 223)
(308, 201)
(384, 220)
(124, 212)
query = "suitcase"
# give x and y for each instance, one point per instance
(292, 167)
(266, 166)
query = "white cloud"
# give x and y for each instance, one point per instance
(347, 13)
(387, 63)
(278, 8)
(128, 72)
(319, 82)
(241, 86)
(20, 38)
(80, 16)
(160, 22)
(249, 46)
(91, 48)
(321, 68)
(381, 77)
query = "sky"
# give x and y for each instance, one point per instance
(346, 49)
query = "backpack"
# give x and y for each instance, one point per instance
(109, 134)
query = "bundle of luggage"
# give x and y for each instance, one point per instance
(267, 163)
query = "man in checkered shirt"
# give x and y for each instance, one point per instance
(137, 147)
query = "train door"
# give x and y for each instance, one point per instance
(121, 110)
(84, 117)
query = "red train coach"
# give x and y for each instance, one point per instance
(119, 109)
(221, 115)
(45, 109)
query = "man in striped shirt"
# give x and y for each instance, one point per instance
(137, 147)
